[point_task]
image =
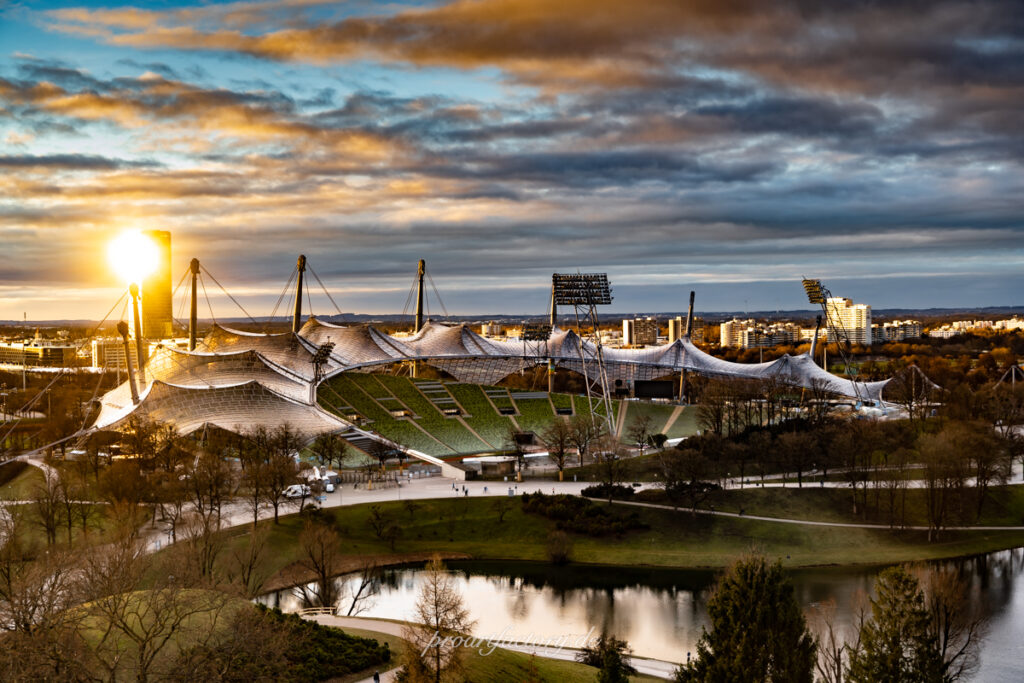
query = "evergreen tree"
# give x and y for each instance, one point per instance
(897, 644)
(758, 632)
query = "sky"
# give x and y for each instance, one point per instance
(725, 146)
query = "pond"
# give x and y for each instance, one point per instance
(661, 612)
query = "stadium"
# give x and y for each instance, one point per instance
(238, 380)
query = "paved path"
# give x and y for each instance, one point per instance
(650, 667)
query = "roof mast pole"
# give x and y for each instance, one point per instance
(122, 329)
(297, 316)
(420, 272)
(134, 289)
(689, 329)
(193, 314)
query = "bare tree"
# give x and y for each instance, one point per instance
(441, 617)
(320, 554)
(330, 450)
(639, 431)
(359, 593)
(610, 458)
(245, 562)
(558, 439)
(47, 506)
(584, 431)
(957, 624)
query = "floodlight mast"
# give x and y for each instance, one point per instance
(535, 345)
(585, 292)
(817, 293)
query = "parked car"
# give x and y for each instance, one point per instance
(297, 491)
(328, 485)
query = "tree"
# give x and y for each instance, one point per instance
(799, 450)
(245, 564)
(46, 504)
(610, 458)
(639, 431)
(686, 471)
(897, 644)
(359, 594)
(330, 450)
(584, 430)
(944, 478)
(441, 618)
(610, 655)
(758, 631)
(320, 555)
(558, 438)
(956, 623)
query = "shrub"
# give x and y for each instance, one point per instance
(619, 491)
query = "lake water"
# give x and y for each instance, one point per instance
(661, 612)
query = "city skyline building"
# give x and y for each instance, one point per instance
(640, 331)
(157, 305)
(855, 319)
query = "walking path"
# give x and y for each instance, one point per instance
(649, 667)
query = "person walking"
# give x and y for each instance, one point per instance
(376, 677)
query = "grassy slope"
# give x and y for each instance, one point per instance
(18, 480)
(674, 539)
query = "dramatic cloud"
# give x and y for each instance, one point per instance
(671, 142)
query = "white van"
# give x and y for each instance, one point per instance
(297, 491)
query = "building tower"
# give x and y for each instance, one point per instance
(157, 307)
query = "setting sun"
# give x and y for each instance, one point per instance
(133, 256)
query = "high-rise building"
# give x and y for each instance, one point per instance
(640, 332)
(854, 318)
(730, 332)
(108, 353)
(677, 329)
(157, 307)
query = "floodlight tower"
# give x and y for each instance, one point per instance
(320, 358)
(689, 330)
(585, 292)
(535, 345)
(818, 294)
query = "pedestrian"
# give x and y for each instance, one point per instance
(376, 677)
(467, 492)
(485, 489)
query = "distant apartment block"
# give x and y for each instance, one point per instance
(897, 330)
(677, 328)
(640, 332)
(962, 326)
(108, 353)
(855, 319)
(38, 352)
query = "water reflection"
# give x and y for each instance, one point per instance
(661, 612)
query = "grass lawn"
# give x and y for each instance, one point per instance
(1004, 505)
(672, 539)
(499, 665)
(18, 479)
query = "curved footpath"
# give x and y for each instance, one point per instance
(649, 667)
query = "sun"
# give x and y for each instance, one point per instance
(133, 256)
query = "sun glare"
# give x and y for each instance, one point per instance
(133, 256)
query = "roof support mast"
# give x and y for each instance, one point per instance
(420, 272)
(689, 329)
(139, 344)
(297, 317)
(193, 312)
(122, 329)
